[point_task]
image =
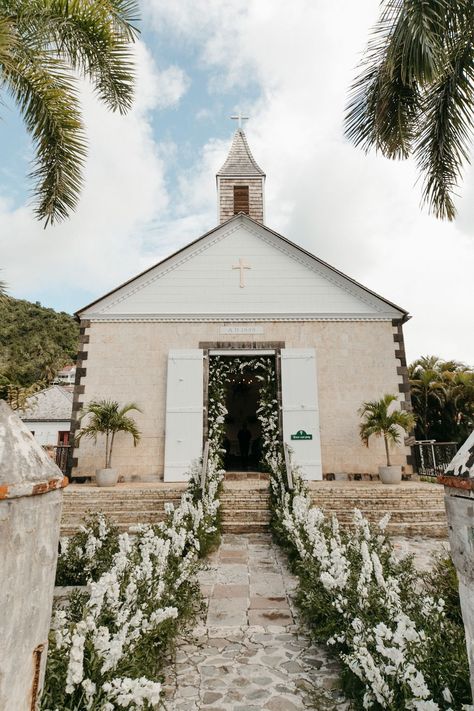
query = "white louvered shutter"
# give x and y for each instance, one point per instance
(184, 412)
(300, 409)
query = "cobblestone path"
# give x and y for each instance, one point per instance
(250, 654)
(423, 549)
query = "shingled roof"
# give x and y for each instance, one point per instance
(54, 404)
(240, 161)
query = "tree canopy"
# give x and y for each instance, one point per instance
(46, 46)
(414, 93)
(35, 342)
(442, 393)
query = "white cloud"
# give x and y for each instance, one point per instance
(360, 213)
(124, 189)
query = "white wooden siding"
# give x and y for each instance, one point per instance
(300, 409)
(201, 281)
(184, 412)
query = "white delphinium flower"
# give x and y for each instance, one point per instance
(361, 525)
(447, 695)
(126, 691)
(366, 571)
(362, 663)
(89, 689)
(75, 669)
(422, 705)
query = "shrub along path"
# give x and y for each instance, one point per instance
(250, 653)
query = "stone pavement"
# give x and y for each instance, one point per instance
(250, 653)
(423, 549)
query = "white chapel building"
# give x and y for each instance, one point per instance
(241, 290)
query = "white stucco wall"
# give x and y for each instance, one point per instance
(30, 514)
(29, 534)
(127, 361)
(47, 432)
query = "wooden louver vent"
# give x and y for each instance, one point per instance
(241, 199)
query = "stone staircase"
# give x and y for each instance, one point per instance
(416, 509)
(245, 503)
(125, 504)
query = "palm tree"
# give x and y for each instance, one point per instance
(45, 47)
(414, 94)
(443, 398)
(379, 422)
(108, 417)
(426, 390)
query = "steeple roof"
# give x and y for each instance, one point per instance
(240, 162)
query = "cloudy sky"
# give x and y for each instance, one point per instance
(150, 185)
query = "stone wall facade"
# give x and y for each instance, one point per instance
(226, 197)
(127, 361)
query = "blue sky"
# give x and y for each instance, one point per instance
(150, 176)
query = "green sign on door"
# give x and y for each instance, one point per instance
(301, 434)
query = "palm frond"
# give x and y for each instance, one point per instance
(47, 98)
(379, 422)
(95, 39)
(445, 136)
(8, 42)
(415, 90)
(383, 105)
(43, 46)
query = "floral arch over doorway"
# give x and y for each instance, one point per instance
(222, 370)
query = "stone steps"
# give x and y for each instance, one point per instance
(408, 492)
(396, 516)
(416, 510)
(118, 507)
(246, 476)
(245, 510)
(244, 527)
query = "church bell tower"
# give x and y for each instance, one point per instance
(240, 182)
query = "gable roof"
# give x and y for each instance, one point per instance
(52, 404)
(240, 162)
(167, 264)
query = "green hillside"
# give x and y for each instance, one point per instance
(35, 342)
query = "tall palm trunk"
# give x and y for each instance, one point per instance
(107, 450)
(387, 450)
(111, 448)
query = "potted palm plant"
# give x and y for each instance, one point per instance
(380, 422)
(107, 417)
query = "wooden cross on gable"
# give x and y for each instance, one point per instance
(242, 266)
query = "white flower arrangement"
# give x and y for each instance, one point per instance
(381, 626)
(114, 627)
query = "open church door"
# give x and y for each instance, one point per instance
(184, 412)
(300, 411)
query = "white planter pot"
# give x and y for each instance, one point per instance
(106, 477)
(390, 475)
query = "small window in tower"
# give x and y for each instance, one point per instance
(241, 199)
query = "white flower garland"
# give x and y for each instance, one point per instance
(384, 655)
(129, 601)
(221, 371)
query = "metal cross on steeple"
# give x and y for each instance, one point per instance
(240, 118)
